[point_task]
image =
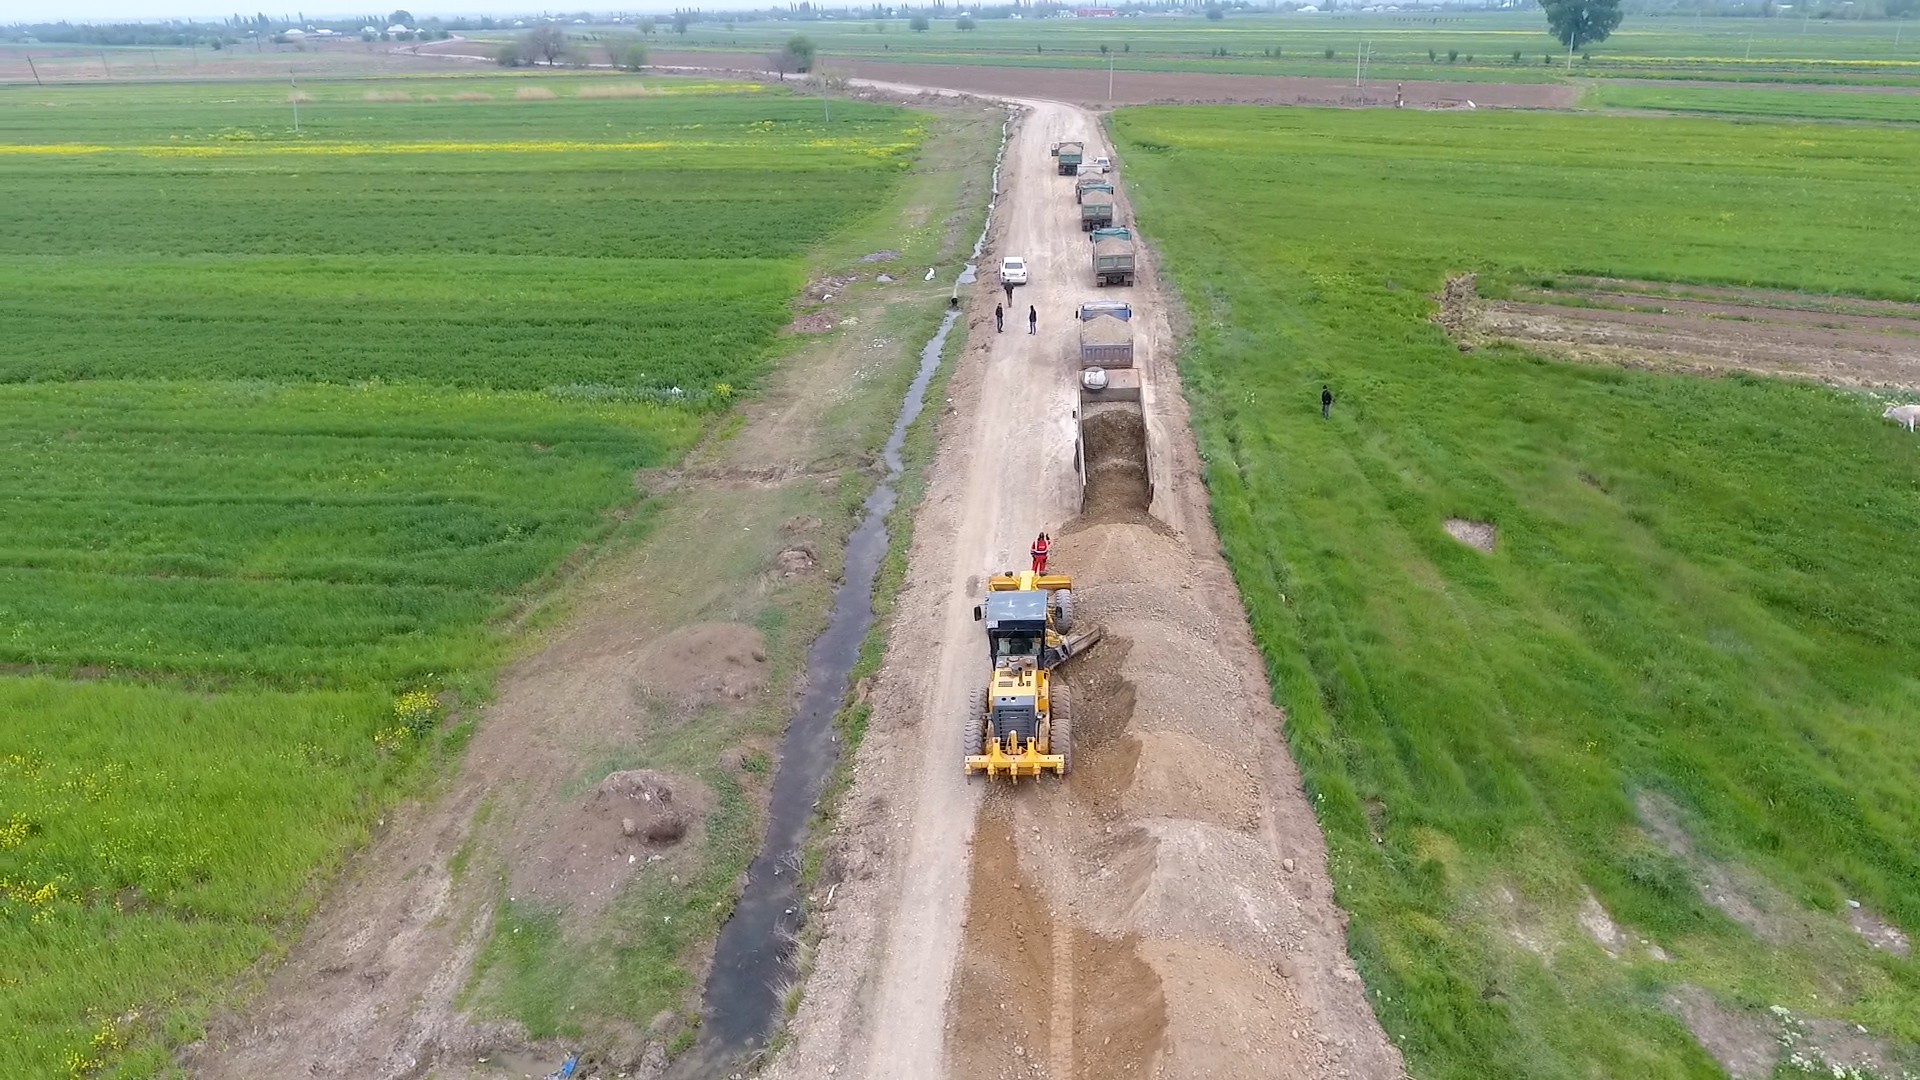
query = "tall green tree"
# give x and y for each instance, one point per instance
(1579, 23)
(801, 49)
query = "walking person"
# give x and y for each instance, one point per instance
(999, 319)
(1326, 403)
(1041, 546)
(1033, 319)
(1008, 285)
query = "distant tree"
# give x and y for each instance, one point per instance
(547, 43)
(647, 27)
(403, 17)
(1581, 22)
(681, 20)
(511, 54)
(1104, 50)
(918, 22)
(963, 23)
(801, 48)
(628, 55)
(1329, 54)
(1216, 12)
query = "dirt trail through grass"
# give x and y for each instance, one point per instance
(1165, 910)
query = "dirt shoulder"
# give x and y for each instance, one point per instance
(1088, 86)
(616, 780)
(1164, 911)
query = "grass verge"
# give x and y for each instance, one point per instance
(1692, 603)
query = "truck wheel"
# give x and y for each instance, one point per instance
(1060, 723)
(1063, 611)
(972, 733)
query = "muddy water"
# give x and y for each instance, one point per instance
(753, 960)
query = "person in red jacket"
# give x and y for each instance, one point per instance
(1040, 548)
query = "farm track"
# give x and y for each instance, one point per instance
(1088, 86)
(1842, 341)
(1165, 911)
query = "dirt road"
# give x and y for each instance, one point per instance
(1088, 86)
(1166, 910)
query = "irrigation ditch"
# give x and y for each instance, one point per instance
(755, 959)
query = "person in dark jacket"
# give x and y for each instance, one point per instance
(999, 319)
(1326, 403)
(1033, 319)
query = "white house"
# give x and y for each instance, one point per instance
(293, 32)
(396, 28)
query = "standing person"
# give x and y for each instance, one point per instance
(1040, 548)
(999, 319)
(1033, 319)
(1326, 403)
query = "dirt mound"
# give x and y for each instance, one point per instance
(1180, 776)
(1118, 487)
(1474, 534)
(1457, 302)
(1175, 878)
(1125, 554)
(706, 663)
(624, 827)
(818, 322)
(793, 562)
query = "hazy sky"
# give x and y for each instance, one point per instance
(127, 10)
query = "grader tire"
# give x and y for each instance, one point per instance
(1063, 611)
(1060, 725)
(972, 737)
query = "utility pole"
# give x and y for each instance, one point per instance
(294, 81)
(37, 82)
(1109, 78)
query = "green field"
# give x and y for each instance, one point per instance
(1805, 104)
(1452, 46)
(1698, 596)
(292, 423)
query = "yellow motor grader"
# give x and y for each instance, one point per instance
(1020, 723)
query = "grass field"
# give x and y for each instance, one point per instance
(292, 423)
(1474, 46)
(1697, 594)
(1803, 104)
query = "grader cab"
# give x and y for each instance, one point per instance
(1020, 723)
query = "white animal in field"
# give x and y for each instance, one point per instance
(1903, 414)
